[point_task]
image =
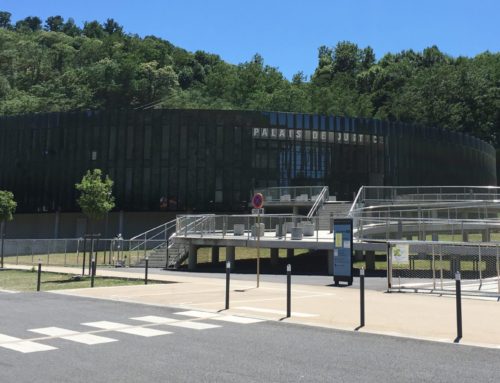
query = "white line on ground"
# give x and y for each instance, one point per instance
(155, 319)
(24, 346)
(196, 314)
(127, 329)
(233, 301)
(143, 331)
(73, 336)
(193, 325)
(271, 311)
(237, 319)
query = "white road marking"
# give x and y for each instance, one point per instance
(24, 346)
(193, 325)
(196, 314)
(7, 338)
(89, 339)
(237, 319)
(270, 311)
(73, 336)
(53, 331)
(105, 325)
(127, 329)
(155, 319)
(143, 331)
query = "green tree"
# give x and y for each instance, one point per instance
(96, 197)
(70, 28)
(54, 24)
(7, 208)
(30, 23)
(5, 20)
(111, 27)
(93, 29)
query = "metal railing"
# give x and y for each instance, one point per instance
(292, 194)
(368, 195)
(398, 212)
(275, 226)
(430, 267)
(149, 238)
(322, 197)
(109, 252)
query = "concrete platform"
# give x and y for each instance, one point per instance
(397, 314)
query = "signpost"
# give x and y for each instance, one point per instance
(342, 251)
(258, 203)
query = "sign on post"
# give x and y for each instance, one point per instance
(401, 254)
(258, 203)
(342, 251)
(258, 200)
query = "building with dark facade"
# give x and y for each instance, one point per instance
(168, 161)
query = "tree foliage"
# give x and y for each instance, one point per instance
(96, 198)
(64, 67)
(7, 205)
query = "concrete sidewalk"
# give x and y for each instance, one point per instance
(399, 314)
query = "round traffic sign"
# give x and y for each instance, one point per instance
(258, 200)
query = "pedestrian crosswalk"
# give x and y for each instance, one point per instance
(75, 336)
(100, 332)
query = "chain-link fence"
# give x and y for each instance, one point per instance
(74, 252)
(427, 266)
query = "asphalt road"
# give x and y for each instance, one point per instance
(233, 352)
(372, 283)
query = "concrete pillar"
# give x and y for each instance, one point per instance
(295, 210)
(56, 225)
(215, 255)
(230, 255)
(400, 230)
(465, 236)
(485, 234)
(289, 253)
(330, 262)
(275, 254)
(370, 260)
(192, 257)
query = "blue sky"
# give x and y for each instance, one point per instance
(288, 33)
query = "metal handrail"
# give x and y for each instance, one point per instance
(150, 230)
(271, 193)
(319, 201)
(164, 229)
(355, 202)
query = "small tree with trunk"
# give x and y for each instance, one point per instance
(96, 198)
(7, 209)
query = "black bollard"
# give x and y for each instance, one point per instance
(288, 290)
(458, 293)
(146, 271)
(362, 296)
(39, 275)
(92, 272)
(228, 273)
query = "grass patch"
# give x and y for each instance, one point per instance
(21, 280)
(242, 253)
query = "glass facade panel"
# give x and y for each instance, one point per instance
(197, 160)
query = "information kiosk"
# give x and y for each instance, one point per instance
(342, 251)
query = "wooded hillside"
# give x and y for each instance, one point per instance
(56, 65)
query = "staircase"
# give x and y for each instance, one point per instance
(332, 210)
(160, 247)
(157, 257)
